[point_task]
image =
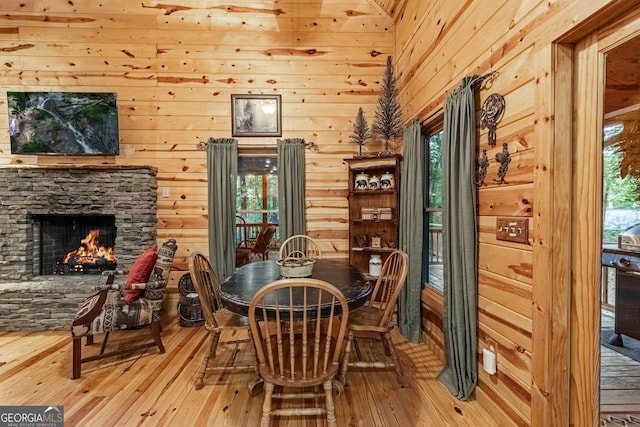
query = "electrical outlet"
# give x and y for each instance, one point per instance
(513, 229)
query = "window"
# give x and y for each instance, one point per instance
(432, 274)
(257, 194)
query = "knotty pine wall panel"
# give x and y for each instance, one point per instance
(175, 66)
(437, 44)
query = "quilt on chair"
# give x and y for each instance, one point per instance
(108, 311)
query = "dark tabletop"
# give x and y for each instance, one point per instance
(238, 290)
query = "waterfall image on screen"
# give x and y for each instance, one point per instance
(66, 123)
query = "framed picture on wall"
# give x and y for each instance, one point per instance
(256, 115)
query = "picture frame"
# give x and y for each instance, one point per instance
(256, 115)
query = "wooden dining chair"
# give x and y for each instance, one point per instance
(299, 347)
(375, 320)
(242, 256)
(300, 246)
(218, 320)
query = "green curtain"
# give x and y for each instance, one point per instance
(291, 179)
(459, 232)
(222, 172)
(411, 219)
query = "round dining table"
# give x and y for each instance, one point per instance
(238, 290)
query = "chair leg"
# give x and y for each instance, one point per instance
(345, 359)
(213, 345)
(256, 386)
(155, 333)
(104, 341)
(386, 338)
(254, 355)
(330, 404)
(266, 405)
(76, 364)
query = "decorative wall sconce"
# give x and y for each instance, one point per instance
(490, 115)
(504, 158)
(483, 165)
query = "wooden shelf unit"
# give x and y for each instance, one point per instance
(387, 228)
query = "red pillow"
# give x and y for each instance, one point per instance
(139, 273)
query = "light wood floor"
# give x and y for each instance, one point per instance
(157, 389)
(619, 379)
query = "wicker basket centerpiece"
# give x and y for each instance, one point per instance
(295, 266)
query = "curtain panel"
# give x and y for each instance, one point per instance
(411, 240)
(222, 172)
(460, 241)
(291, 186)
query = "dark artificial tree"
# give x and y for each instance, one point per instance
(361, 132)
(388, 120)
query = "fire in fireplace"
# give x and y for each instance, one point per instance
(69, 244)
(91, 256)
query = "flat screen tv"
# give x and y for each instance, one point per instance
(63, 123)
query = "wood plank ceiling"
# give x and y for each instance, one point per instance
(622, 91)
(390, 7)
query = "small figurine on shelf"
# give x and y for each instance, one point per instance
(386, 181)
(374, 183)
(361, 181)
(362, 241)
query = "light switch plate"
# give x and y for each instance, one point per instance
(489, 361)
(513, 229)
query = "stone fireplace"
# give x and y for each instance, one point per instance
(30, 195)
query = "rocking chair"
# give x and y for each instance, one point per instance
(259, 248)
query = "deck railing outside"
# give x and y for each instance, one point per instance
(435, 244)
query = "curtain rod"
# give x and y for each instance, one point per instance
(258, 148)
(476, 80)
(480, 79)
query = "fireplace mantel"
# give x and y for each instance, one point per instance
(71, 166)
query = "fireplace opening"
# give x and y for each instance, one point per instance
(74, 244)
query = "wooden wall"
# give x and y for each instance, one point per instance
(174, 67)
(524, 289)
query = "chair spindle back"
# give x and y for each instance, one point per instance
(300, 345)
(207, 285)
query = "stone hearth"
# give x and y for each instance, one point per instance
(44, 303)
(127, 192)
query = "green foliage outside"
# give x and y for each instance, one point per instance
(618, 193)
(255, 202)
(434, 185)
